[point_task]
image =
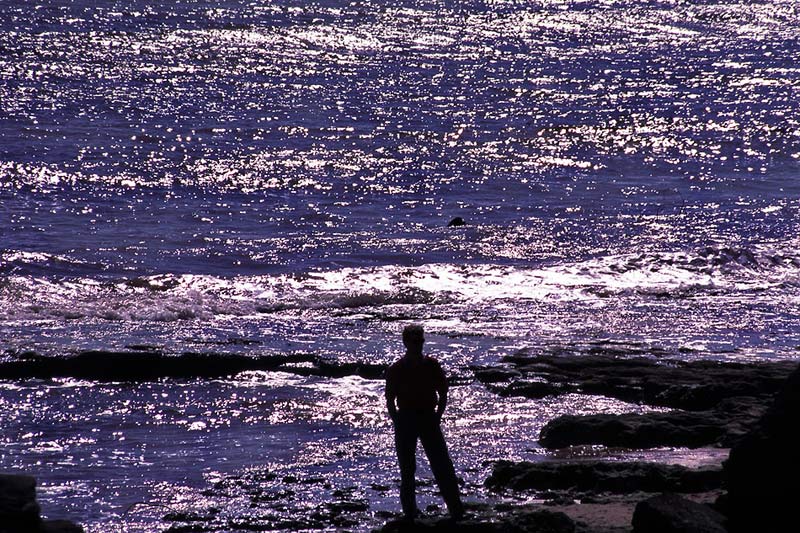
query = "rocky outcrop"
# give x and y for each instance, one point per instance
(19, 510)
(692, 386)
(632, 430)
(716, 403)
(722, 427)
(669, 513)
(763, 470)
(602, 476)
(144, 365)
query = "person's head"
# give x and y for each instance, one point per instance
(413, 338)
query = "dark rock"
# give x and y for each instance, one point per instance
(762, 471)
(722, 503)
(694, 386)
(531, 389)
(602, 476)
(59, 526)
(18, 506)
(333, 369)
(19, 510)
(349, 506)
(142, 347)
(157, 285)
(668, 513)
(723, 399)
(540, 521)
(342, 513)
(456, 222)
(678, 428)
(494, 374)
(190, 528)
(137, 365)
(206, 515)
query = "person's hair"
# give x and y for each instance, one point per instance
(413, 335)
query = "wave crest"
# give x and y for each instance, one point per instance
(166, 298)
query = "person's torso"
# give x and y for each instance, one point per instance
(417, 383)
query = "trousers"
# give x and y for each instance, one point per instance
(409, 427)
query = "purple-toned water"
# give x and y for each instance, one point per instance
(270, 178)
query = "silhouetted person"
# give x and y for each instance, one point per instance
(416, 396)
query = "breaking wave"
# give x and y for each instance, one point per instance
(166, 298)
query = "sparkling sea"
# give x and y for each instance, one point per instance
(272, 178)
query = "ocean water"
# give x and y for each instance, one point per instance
(269, 178)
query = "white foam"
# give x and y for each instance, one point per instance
(168, 298)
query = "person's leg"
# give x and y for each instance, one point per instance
(441, 465)
(405, 438)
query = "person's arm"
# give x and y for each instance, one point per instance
(441, 392)
(391, 396)
(442, 404)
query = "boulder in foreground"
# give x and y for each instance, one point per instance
(763, 470)
(19, 510)
(669, 513)
(18, 507)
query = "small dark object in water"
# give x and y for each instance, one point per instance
(457, 221)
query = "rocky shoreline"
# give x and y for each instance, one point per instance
(749, 408)
(712, 404)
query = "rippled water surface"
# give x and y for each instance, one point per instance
(277, 178)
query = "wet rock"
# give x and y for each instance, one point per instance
(339, 513)
(693, 386)
(632, 430)
(18, 506)
(602, 476)
(721, 427)
(357, 506)
(59, 526)
(539, 521)
(183, 516)
(719, 402)
(191, 528)
(669, 513)
(142, 347)
(332, 369)
(495, 374)
(762, 471)
(102, 365)
(19, 510)
(530, 389)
